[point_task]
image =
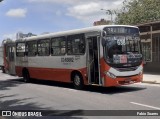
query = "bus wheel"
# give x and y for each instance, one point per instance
(78, 81)
(26, 76)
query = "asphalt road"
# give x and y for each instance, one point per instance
(47, 95)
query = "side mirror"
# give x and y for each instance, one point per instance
(104, 33)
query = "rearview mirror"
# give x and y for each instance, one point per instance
(104, 33)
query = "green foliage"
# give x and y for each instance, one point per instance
(138, 11)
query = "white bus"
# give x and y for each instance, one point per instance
(107, 55)
(9, 56)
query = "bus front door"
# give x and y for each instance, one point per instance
(93, 61)
(11, 59)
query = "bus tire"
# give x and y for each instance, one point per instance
(78, 81)
(26, 76)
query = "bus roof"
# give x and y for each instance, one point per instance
(75, 31)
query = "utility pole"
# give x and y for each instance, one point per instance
(109, 12)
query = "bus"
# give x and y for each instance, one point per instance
(1, 58)
(106, 55)
(9, 56)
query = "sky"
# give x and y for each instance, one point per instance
(40, 16)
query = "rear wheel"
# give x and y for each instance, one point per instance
(78, 81)
(26, 76)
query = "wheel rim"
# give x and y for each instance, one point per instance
(77, 80)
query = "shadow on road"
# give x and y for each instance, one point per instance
(7, 84)
(13, 103)
(20, 105)
(114, 90)
(96, 89)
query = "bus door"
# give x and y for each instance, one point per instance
(93, 60)
(11, 58)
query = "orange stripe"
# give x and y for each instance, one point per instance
(63, 75)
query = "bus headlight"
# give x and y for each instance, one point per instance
(110, 75)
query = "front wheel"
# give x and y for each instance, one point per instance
(78, 81)
(26, 77)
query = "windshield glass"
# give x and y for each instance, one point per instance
(123, 49)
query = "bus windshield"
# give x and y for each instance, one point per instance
(123, 49)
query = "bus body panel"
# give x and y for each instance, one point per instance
(122, 78)
(51, 73)
(52, 67)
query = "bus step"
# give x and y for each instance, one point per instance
(95, 84)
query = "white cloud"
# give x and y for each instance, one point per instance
(10, 35)
(91, 11)
(87, 11)
(20, 13)
(84, 9)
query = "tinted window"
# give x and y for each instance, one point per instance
(58, 46)
(43, 47)
(31, 48)
(76, 44)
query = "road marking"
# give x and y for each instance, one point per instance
(157, 108)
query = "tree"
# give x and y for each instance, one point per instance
(138, 11)
(1, 0)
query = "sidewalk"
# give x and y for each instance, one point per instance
(151, 78)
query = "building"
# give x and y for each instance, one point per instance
(150, 38)
(21, 35)
(101, 22)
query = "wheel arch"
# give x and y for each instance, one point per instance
(76, 72)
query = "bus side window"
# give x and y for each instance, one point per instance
(76, 44)
(58, 46)
(43, 47)
(31, 48)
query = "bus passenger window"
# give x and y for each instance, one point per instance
(31, 48)
(43, 47)
(76, 44)
(58, 46)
